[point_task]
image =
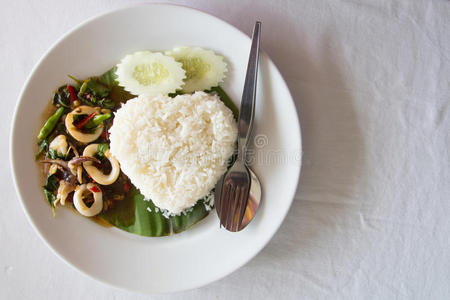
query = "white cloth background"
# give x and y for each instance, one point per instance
(371, 217)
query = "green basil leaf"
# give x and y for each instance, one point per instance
(52, 154)
(107, 103)
(101, 149)
(52, 183)
(78, 82)
(51, 198)
(97, 89)
(43, 146)
(109, 78)
(117, 93)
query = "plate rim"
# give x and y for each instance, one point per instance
(13, 155)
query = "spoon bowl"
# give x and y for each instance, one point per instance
(254, 199)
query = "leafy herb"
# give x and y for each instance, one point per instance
(79, 82)
(52, 183)
(117, 94)
(49, 190)
(51, 198)
(101, 149)
(97, 89)
(53, 154)
(43, 146)
(107, 103)
(109, 78)
(62, 97)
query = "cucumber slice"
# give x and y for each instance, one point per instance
(150, 73)
(204, 69)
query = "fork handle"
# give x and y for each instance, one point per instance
(247, 111)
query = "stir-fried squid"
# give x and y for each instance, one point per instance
(83, 114)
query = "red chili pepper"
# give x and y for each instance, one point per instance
(93, 181)
(80, 124)
(73, 94)
(95, 189)
(126, 187)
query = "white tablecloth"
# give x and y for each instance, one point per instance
(371, 217)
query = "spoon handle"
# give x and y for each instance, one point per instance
(247, 111)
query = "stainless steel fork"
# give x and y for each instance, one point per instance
(232, 191)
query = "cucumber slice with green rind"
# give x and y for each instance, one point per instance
(204, 69)
(150, 73)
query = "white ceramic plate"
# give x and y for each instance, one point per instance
(203, 253)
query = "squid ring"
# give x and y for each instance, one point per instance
(79, 204)
(95, 173)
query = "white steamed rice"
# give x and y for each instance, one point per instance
(174, 150)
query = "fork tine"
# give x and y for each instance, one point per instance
(236, 202)
(224, 205)
(243, 206)
(231, 196)
(223, 202)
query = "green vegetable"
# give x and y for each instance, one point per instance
(150, 73)
(51, 198)
(204, 68)
(52, 183)
(79, 117)
(62, 97)
(53, 154)
(94, 92)
(96, 88)
(118, 93)
(43, 146)
(107, 103)
(50, 124)
(95, 121)
(49, 189)
(82, 89)
(109, 78)
(101, 149)
(79, 82)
